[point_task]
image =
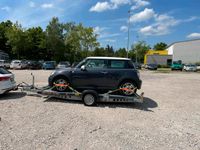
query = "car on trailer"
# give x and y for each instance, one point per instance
(7, 82)
(99, 74)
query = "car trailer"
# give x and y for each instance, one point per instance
(89, 97)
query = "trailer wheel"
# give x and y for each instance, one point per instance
(89, 98)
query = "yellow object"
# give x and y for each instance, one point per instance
(154, 52)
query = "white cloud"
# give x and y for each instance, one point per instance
(139, 4)
(144, 15)
(124, 28)
(194, 36)
(31, 4)
(47, 5)
(110, 40)
(98, 30)
(120, 2)
(108, 5)
(6, 8)
(162, 25)
(101, 6)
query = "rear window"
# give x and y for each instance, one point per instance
(4, 71)
(120, 64)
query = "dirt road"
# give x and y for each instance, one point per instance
(168, 119)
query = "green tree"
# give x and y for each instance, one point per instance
(4, 27)
(140, 49)
(160, 46)
(109, 51)
(99, 51)
(18, 40)
(80, 40)
(55, 40)
(37, 43)
(121, 52)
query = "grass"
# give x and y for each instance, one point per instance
(163, 70)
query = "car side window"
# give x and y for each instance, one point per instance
(120, 64)
(96, 64)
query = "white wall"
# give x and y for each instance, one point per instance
(188, 51)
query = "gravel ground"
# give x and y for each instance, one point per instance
(169, 118)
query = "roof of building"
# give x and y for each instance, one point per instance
(113, 58)
(183, 42)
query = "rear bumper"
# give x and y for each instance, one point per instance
(2, 91)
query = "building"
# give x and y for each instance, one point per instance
(160, 57)
(186, 51)
(3, 55)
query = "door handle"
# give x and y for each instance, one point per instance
(104, 72)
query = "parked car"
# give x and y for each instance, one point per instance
(5, 63)
(49, 65)
(34, 65)
(177, 65)
(7, 81)
(16, 64)
(63, 64)
(151, 66)
(198, 67)
(137, 65)
(190, 67)
(75, 64)
(100, 74)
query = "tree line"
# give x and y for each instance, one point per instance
(61, 42)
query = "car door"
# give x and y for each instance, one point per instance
(94, 76)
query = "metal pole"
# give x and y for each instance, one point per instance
(129, 15)
(136, 50)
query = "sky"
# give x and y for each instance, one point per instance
(152, 21)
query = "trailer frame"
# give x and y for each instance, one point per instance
(89, 97)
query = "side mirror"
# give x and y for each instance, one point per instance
(83, 68)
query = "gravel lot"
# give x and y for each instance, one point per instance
(168, 119)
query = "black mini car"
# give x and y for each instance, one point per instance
(99, 73)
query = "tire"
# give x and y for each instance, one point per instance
(130, 85)
(89, 97)
(60, 80)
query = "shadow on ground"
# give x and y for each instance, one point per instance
(12, 95)
(147, 105)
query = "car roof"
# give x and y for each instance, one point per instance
(112, 58)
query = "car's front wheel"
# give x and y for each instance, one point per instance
(60, 84)
(128, 88)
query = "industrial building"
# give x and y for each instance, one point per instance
(186, 51)
(158, 57)
(3, 55)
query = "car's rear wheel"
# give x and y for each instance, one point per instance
(60, 84)
(128, 88)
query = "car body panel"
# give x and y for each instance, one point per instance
(8, 84)
(190, 67)
(16, 64)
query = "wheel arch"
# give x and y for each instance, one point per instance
(128, 80)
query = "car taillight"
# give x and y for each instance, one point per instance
(4, 78)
